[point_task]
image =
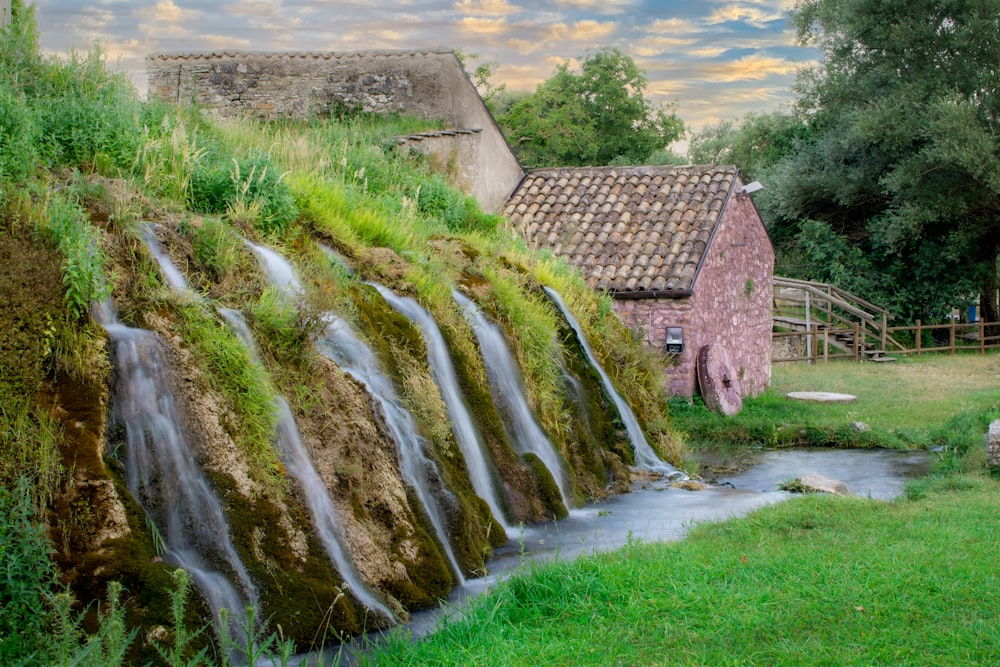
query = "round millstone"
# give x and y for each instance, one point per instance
(720, 388)
(821, 397)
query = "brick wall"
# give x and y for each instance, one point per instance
(730, 306)
(431, 84)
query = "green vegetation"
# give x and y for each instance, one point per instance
(811, 581)
(84, 162)
(595, 117)
(885, 180)
(814, 580)
(916, 402)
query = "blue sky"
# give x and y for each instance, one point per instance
(717, 60)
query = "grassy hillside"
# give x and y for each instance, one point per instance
(86, 169)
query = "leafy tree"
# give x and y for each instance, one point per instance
(592, 117)
(902, 155)
(755, 145)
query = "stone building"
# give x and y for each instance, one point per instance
(682, 251)
(427, 83)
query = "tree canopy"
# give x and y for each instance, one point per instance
(898, 173)
(596, 116)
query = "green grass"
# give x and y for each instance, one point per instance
(813, 581)
(914, 402)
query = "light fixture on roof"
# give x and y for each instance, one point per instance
(750, 188)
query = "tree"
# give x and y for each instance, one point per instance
(594, 117)
(902, 156)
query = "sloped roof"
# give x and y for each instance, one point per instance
(629, 229)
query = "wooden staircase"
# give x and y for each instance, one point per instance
(843, 322)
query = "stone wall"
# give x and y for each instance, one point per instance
(730, 305)
(430, 84)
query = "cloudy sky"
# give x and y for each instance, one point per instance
(717, 59)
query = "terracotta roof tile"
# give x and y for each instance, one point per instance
(627, 228)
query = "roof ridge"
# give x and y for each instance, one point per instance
(316, 55)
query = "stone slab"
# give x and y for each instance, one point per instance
(993, 446)
(821, 397)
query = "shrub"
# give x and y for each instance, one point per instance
(65, 225)
(27, 577)
(458, 212)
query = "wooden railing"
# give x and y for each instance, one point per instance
(801, 304)
(819, 342)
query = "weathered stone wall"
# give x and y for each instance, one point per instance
(452, 152)
(430, 84)
(732, 302)
(730, 305)
(652, 317)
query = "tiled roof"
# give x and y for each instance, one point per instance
(629, 229)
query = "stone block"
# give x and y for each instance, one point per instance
(993, 446)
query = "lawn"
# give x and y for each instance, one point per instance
(817, 580)
(913, 402)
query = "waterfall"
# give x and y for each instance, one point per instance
(342, 345)
(279, 272)
(170, 271)
(507, 387)
(354, 357)
(164, 478)
(299, 465)
(645, 457)
(470, 441)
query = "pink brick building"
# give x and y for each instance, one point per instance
(678, 248)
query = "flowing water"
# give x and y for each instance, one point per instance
(354, 357)
(299, 465)
(170, 271)
(507, 388)
(162, 473)
(481, 471)
(280, 273)
(645, 457)
(342, 345)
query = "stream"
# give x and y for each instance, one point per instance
(657, 512)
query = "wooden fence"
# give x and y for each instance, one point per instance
(823, 343)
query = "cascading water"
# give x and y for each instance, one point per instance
(645, 457)
(170, 271)
(342, 345)
(354, 357)
(507, 387)
(470, 441)
(280, 273)
(297, 462)
(162, 474)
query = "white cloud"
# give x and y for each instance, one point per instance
(585, 30)
(739, 13)
(254, 8)
(224, 42)
(599, 6)
(167, 11)
(487, 7)
(483, 25)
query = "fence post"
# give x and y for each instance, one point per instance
(857, 342)
(826, 345)
(982, 337)
(885, 333)
(951, 349)
(919, 336)
(814, 344)
(863, 339)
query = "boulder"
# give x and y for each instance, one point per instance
(813, 483)
(993, 446)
